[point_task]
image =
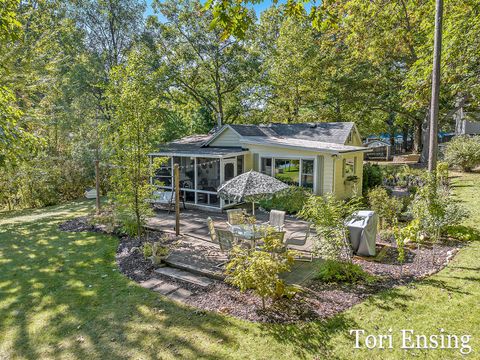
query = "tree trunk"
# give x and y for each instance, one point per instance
(417, 137)
(434, 106)
(405, 138)
(425, 139)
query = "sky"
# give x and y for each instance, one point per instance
(258, 7)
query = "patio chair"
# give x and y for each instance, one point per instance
(211, 230)
(235, 217)
(225, 241)
(166, 198)
(277, 219)
(300, 239)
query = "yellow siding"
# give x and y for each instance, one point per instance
(227, 138)
(248, 165)
(332, 180)
(344, 190)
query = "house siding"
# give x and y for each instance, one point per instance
(328, 174)
(323, 163)
(341, 189)
(228, 138)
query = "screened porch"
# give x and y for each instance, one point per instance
(200, 175)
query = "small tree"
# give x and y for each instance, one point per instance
(136, 129)
(434, 210)
(260, 269)
(329, 216)
(388, 208)
(463, 151)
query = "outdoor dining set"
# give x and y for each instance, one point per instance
(246, 231)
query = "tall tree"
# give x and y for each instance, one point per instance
(202, 64)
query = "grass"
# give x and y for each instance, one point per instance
(61, 296)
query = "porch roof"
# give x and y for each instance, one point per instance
(193, 146)
(209, 152)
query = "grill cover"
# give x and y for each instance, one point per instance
(363, 232)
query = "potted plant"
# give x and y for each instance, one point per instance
(352, 179)
(156, 252)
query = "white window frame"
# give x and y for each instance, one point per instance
(291, 157)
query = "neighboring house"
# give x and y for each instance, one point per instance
(466, 122)
(325, 157)
(379, 149)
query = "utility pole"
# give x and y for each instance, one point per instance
(437, 51)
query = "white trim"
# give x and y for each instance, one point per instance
(290, 157)
(171, 154)
(271, 142)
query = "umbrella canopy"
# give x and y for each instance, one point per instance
(250, 186)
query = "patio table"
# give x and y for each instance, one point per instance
(248, 231)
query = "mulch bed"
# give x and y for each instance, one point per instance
(317, 301)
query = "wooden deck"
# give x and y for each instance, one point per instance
(197, 254)
(193, 223)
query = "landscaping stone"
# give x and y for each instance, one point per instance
(185, 276)
(150, 283)
(166, 288)
(180, 295)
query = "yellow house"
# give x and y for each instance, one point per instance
(325, 157)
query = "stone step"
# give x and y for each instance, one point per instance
(159, 286)
(204, 271)
(185, 276)
(180, 295)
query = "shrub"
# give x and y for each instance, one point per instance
(442, 172)
(332, 271)
(155, 252)
(107, 218)
(260, 269)
(290, 200)
(147, 250)
(372, 177)
(328, 216)
(435, 210)
(388, 208)
(463, 151)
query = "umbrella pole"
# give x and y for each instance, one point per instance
(253, 208)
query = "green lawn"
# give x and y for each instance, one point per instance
(62, 297)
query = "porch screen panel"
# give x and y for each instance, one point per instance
(208, 181)
(187, 176)
(164, 175)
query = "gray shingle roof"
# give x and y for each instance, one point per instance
(192, 145)
(333, 132)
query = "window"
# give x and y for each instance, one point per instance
(295, 172)
(239, 164)
(266, 166)
(288, 171)
(307, 173)
(348, 167)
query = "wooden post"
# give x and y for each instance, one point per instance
(97, 185)
(437, 51)
(176, 175)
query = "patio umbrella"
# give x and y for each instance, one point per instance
(251, 186)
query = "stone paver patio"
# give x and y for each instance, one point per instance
(196, 258)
